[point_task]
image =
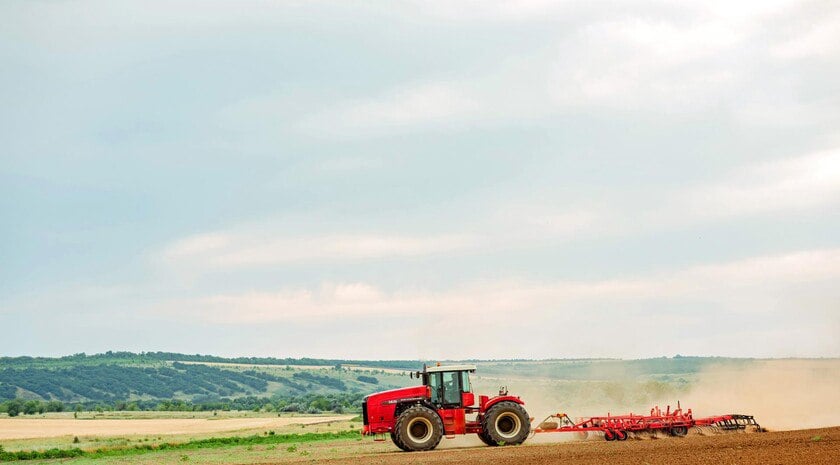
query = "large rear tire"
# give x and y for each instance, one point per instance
(418, 428)
(506, 423)
(486, 439)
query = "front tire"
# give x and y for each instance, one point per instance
(398, 443)
(506, 423)
(418, 428)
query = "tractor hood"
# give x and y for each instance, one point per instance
(379, 410)
(395, 396)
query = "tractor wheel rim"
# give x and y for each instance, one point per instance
(419, 429)
(508, 425)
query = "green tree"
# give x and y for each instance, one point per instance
(320, 403)
(55, 406)
(31, 407)
(14, 407)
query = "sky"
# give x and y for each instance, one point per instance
(420, 180)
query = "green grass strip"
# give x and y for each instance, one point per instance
(208, 443)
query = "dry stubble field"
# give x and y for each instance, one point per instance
(24, 428)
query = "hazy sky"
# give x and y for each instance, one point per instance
(420, 179)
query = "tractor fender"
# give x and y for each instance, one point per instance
(495, 400)
(402, 406)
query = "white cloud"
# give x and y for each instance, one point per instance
(424, 104)
(807, 182)
(558, 10)
(783, 111)
(198, 245)
(509, 225)
(745, 286)
(521, 222)
(745, 10)
(697, 57)
(248, 249)
(651, 63)
(794, 183)
(631, 64)
(814, 38)
(477, 10)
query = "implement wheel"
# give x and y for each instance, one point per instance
(679, 431)
(418, 428)
(620, 435)
(506, 423)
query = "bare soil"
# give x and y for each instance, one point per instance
(811, 447)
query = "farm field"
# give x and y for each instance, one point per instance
(818, 447)
(120, 430)
(24, 428)
(815, 446)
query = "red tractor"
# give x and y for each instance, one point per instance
(418, 417)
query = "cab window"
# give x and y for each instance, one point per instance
(465, 382)
(452, 388)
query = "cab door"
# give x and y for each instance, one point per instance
(446, 389)
(451, 403)
(451, 382)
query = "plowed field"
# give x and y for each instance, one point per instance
(812, 447)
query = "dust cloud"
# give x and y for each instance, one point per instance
(781, 394)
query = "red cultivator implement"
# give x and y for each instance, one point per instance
(619, 427)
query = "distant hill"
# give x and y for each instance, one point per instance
(147, 377)
(150, 377)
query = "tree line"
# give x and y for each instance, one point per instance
(306, 403)
(150, 357)
(15, 407)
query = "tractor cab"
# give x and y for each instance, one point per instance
(449, 386)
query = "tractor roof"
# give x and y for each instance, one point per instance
(435, 369)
